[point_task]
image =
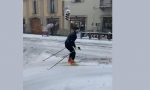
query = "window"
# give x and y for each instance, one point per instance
(34, 7)
(107, 24)
(52, 6)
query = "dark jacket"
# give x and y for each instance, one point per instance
(70, 41)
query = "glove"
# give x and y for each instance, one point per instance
(79, 48)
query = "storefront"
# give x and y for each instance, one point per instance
(79, 21)
(107, 24)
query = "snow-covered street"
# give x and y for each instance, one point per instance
(94, 71)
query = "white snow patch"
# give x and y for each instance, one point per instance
(89, 75)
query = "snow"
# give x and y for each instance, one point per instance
(92, 72)
(62, 38)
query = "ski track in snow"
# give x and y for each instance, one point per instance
(92, 72)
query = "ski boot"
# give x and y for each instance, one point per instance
(71, 61)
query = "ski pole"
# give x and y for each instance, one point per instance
(58, 62)
(53, 54)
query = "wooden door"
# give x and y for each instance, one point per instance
(36, 26)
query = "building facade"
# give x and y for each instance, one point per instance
(106, 20)
(93, 15)
(38, 13)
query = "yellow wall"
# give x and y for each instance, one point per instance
(24, 9)
(45, 8)
(58, 13)
(43, 14)
(30, 6)
(46, 13)
(59, 8)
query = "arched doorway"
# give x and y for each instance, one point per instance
(36, 27)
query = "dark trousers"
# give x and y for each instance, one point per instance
(72, 51)
(52, 31)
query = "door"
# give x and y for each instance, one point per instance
(79, 21)
(107, 24)
(36, 26)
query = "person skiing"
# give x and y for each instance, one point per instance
(71, 46)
